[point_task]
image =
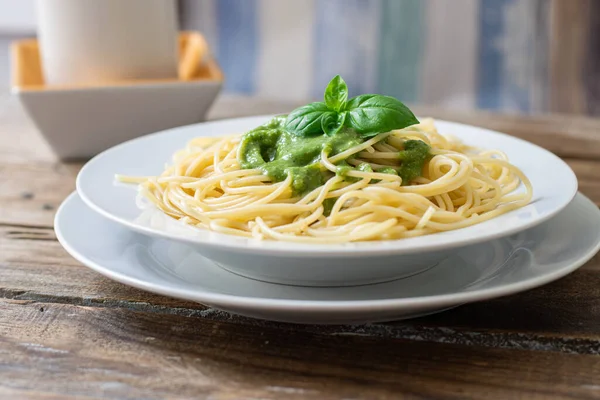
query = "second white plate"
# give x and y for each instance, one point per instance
(480, 272)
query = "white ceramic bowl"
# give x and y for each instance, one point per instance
(310, 264)
(81, 121)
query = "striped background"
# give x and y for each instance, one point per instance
(491, 54)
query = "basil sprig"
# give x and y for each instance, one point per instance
(336, 94)
(367, 114)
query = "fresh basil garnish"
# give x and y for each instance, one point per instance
(367, 114)
(336, 94)
(332, 122)
(370, 114)
(306, 120)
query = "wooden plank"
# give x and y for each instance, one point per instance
(50, 274)
(564, 310)
(67, 350)
(30, 193)
(588, 176)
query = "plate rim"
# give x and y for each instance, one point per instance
(320, 306)
(358, 249)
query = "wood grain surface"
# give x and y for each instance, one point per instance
(68, 333)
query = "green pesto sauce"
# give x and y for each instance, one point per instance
(328, 205)
(343, 168)
(278, 153)
(413, 158)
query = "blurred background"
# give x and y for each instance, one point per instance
(524, 56)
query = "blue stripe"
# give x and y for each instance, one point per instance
(340, 46)
(491, 26)
(237, 30)
(519, 77)
(508, 56)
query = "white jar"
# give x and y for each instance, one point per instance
(97, 41)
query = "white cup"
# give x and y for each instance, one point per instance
(97, 41)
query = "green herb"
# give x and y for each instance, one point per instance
(370, 114)
(336, 94)
(367, 114)
(291, 146)
(306, 120)
(332, 122)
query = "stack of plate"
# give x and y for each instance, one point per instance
(102, 226)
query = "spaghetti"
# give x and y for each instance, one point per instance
(362, 193)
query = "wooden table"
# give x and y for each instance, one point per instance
(66, 332)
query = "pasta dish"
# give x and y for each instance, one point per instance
(336, 171)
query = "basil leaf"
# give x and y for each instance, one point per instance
(332, 122)
(306, 120)
(370, 114)
(336, 94)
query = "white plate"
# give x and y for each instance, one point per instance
(479, 272)
(309, 264)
